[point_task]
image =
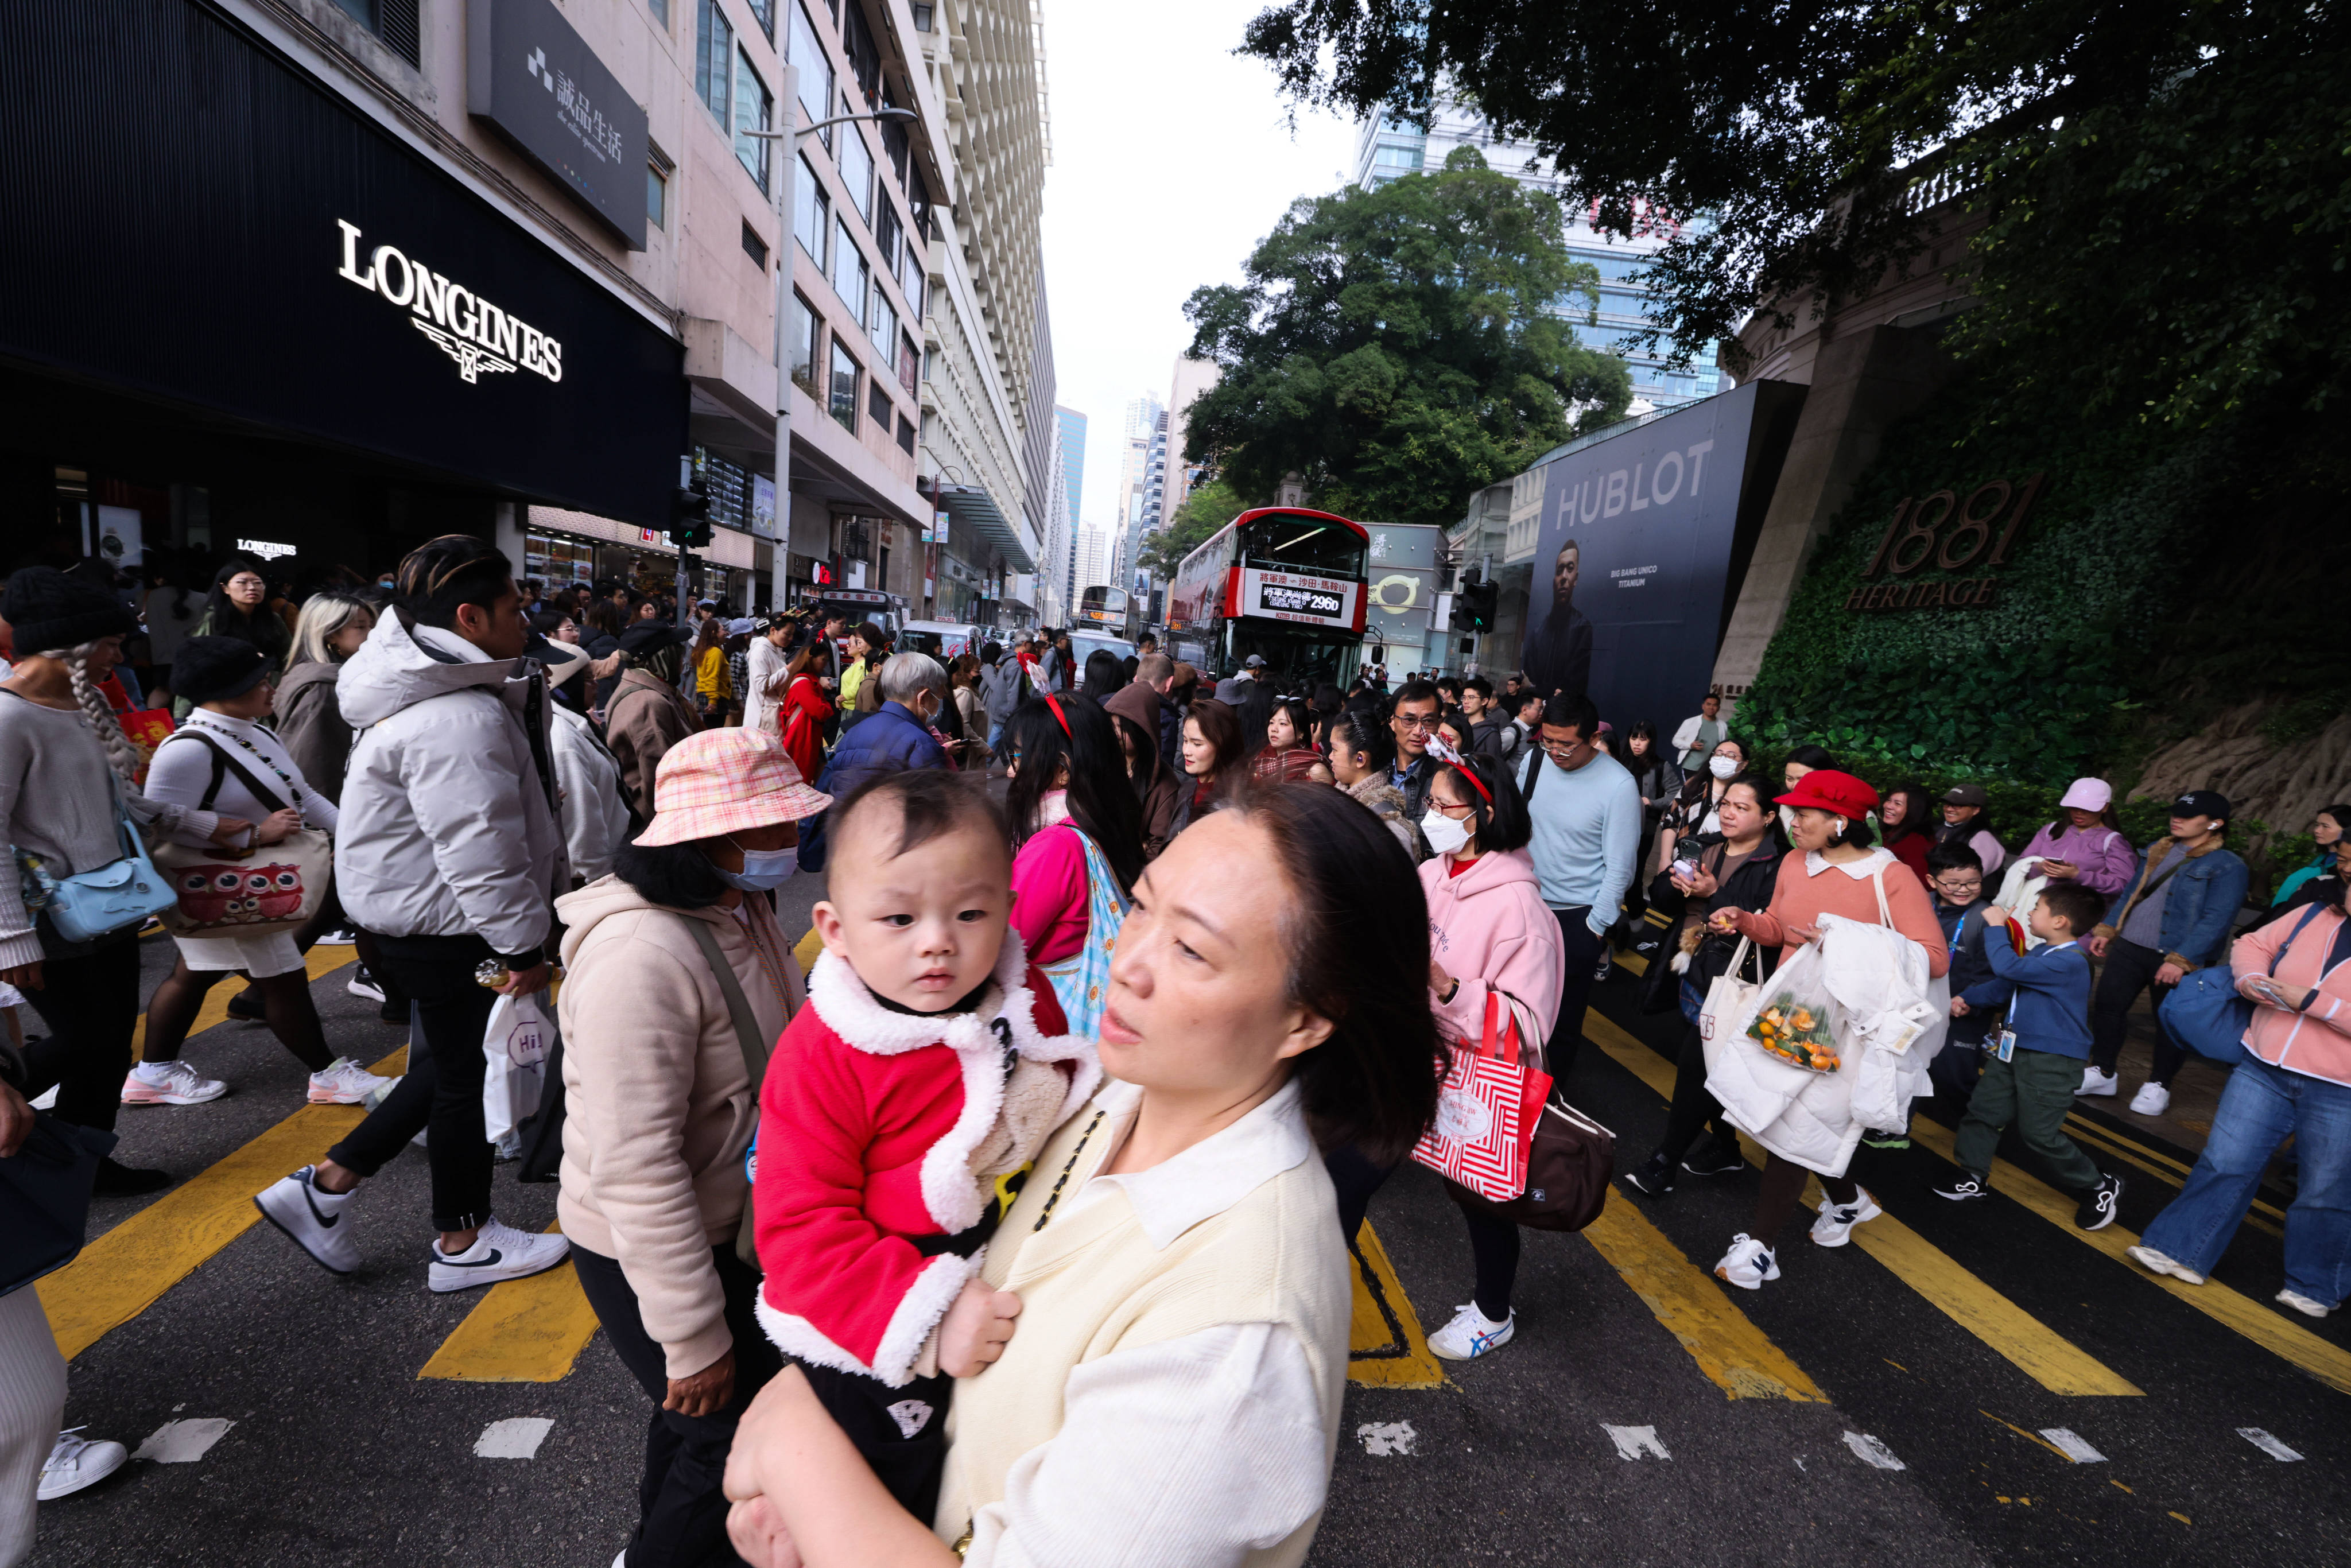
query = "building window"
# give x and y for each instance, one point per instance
(909, 365)
(764, 13)
(754, 107)
(906, 433)
(881, 325)
(811, 214)
(1392, 157)
(714, 48)
(799, 343)
(911, 277)
(877, 402)
(660, 8)
(816, 71)
(922, 19)
(850, 276)
(754, 247)
(657, 197)
(842, 404)
(857, 173)
(393, 21)
(885, 235)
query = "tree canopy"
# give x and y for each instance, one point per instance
(2165, 180)
(1401, 348)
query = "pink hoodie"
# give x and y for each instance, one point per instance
(1489, 929)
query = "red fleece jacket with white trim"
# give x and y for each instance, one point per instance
(868, 1124)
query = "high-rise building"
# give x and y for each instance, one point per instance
(1062, 566)
(1388, 149)
(988, 380)
(1141, 481)
(1190, 379)
(1093, 557)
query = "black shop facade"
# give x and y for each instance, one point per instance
(240, 314)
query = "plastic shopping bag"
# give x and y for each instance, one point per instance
(1792, 1022)
(519, 1036)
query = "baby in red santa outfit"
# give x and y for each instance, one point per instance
(902, 1109)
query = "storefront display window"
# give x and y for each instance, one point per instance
(553, 560)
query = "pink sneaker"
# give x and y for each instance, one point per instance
(169, 1084)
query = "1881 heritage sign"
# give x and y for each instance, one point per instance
(1942, 532)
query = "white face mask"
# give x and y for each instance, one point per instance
(1445, 835)
(1722, 767)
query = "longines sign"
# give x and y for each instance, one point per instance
(478, 335)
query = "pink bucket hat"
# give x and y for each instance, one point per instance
(722, 781)
(2087, 795)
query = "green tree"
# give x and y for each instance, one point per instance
(2166, 181)
(1208, 508)
(1399, 348)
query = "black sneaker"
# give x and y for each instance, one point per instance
(1712, 1160)
(127, 1181)
(1967, 1190)
(246, 1005)
(2098, 1210)
(1652, 1180)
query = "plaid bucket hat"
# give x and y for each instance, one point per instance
(720, 781)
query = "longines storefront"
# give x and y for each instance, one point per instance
(238, 309)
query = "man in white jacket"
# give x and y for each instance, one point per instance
(450, 849)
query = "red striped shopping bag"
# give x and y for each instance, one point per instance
(1486, 1112)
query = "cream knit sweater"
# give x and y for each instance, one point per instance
(1254, 1255)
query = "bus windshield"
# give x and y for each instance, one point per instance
(1306, 545)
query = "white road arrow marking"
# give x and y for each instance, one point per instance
(183, 1442)
(517, 1438)
(1632, 1442)
(1384, 1437)
(2071, 1445)
(1870, 1451)
(2268, 1445)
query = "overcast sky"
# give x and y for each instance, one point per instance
(1171, 159)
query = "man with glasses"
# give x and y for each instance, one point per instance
(1412, 721)
(1586, 810)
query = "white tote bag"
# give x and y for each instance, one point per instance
(1729, 1001)
(515, 1043)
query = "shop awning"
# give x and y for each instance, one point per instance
(970, 505)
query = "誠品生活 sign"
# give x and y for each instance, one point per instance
(1288, 596)
(528, 74)
(1940, 531)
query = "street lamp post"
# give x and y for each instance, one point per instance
(788, 148)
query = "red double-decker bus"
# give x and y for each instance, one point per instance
(1283, 582)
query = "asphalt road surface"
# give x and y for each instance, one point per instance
(1962, 1385)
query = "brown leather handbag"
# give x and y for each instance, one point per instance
(1568, 1171)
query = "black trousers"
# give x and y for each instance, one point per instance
(681, 1506)
(448, 1013)
(1583, 947)
(1493, 1243)
(1692, 1107)
(90, 1005)
(901, 1433)
(2129, 970)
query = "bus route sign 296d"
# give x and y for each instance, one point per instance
(1289, 597)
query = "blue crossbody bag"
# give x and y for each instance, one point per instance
(124, 892)
(2205, 1013)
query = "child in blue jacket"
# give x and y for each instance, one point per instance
(2033, 1067)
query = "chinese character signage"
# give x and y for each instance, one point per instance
(537, 82)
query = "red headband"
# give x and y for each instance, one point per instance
(1472, 778)
(1058, 716)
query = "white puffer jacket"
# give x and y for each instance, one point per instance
(449, 818)
(595, 817)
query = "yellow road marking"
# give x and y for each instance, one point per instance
(2028, 1437)
(2330, 1364)
(1729, 1348)
(1385, 1348)
(524, 1331)
(2041, 1354)
(124, 1271)
(2265, 1216)
(318, 961)
(809, 947)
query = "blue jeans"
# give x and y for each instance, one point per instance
(2259, 1107)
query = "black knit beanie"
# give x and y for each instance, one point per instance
(48, 609)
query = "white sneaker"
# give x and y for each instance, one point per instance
(499, 1253)
(2096, 1082)
(78, 1463)
(343, 1081)
(1834, 1226)
(1748, 1264)
(169, 1084)
(2152, 1099)
(1472, 1334)
(314, 1219)
(364, 984)
(2155, 1262)
(2288, 1297)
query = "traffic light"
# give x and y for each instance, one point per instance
(1473, 605)
(689, 512)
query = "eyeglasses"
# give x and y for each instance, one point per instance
(1417, 724)
(1972, 885)
(1552, 748)
(1459, 812)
